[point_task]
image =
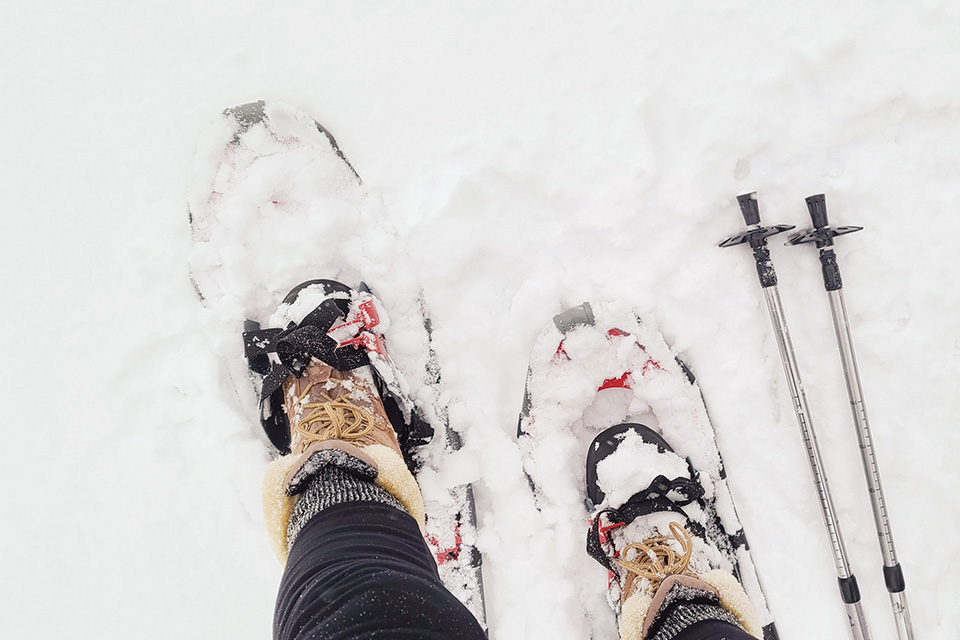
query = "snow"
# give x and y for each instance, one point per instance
(629, 468)
(530, 157)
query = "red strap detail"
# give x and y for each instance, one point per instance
(623, 382)
(368, 314)
(648, 364)
(604, 538)
(367, 340)
(617, 383)
(602, 530)
(367, 318)
(446, 555)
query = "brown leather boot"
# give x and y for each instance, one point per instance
(331, 409)
(324, 364)
(326, 404)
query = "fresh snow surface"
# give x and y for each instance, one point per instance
(528, 156)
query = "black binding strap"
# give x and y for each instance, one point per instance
(653, 499)
(298, 343)
(294, 347)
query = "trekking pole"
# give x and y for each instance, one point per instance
(756, 236)
(823, 236)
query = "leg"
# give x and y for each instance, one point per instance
(360, 569)
(347, 517)
(713, 630)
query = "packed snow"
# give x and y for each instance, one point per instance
(526, 157)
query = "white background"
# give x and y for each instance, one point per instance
(532, 155)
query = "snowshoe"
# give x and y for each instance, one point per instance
(603, 386)
(273, 198)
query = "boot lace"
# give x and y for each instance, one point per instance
(656, 559)
(332, 419)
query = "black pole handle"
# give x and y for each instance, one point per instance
(822, 233)
(749, 208)
(757, 236)
(817, 205)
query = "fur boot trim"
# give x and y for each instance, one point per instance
(396, 479)
(392, 475)
(277, 505)
(734, 599)
(633, 613)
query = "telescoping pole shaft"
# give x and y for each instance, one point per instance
(823, 236)
(757, 236)
(849, 590)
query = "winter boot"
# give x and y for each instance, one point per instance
(665, 573)
(326, 404)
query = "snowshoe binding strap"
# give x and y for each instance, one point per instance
(299, 342)
(606, 443)
(653, 499)
(341, 332)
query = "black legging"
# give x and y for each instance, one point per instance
(362, 570)
(713, 630)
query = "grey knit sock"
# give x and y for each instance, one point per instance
(684, 606)
(328, 478)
